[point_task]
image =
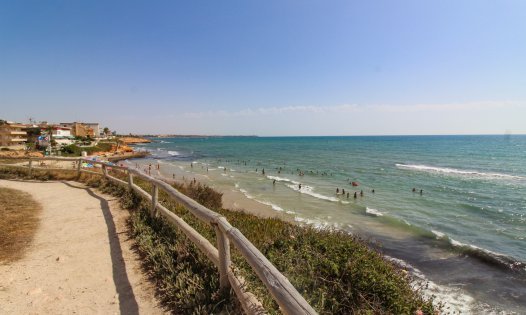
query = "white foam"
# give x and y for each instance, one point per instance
(438, 234)
(273, 206)
(173, 153)
(283, 179)
(454, 171)
(373, 212)
(249, 196)
(317, 224)
(454, 299)
(308, 190)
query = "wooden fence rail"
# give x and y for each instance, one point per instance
(283, 292)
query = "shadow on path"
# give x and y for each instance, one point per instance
(127, 302)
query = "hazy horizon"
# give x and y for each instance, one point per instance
(278, 68)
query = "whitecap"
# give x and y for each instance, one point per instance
(373, 212)
(308, 190)
(454, 299)
(454, 171)
(283, 179)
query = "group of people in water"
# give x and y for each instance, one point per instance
(347, 194)
(421, 191)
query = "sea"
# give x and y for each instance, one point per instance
(449, 209)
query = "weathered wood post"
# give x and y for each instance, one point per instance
(79, 165)
(30, 167)
(155, 198)
(105, 170)
(130, 179)
(223, 248)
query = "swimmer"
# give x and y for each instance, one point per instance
(372, 191)
(355, 195)
(414, 189)
(421, 191)
(299, 186)
(337, 190)
(274, 182)
(361, 193)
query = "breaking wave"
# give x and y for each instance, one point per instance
(454, 171)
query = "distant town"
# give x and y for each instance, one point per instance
(62, 139)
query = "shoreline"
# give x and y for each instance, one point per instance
(231, 199)
(394, 250)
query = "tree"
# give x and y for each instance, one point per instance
(106, 131)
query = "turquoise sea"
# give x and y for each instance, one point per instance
(462, 238)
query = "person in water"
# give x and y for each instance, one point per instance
(372, 191)
(337, 190)
(414, 189)
(355, 196)
(343, 191)
(421, 191)
(299, 186)
(347, 195)
(274, 182)
(361, 193)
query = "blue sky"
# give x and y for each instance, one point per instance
(267, 67)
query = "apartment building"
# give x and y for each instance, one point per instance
(12, 135)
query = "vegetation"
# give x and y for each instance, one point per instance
(18, 225)
(336, 272)
(75, 150)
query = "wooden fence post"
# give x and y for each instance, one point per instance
(79, 166)
(130, 179)
(155, 198)
(223, 248)
(30, 167)
(105, 170)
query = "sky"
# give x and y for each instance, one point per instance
(268, 68)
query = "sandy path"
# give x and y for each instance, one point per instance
(80, 261)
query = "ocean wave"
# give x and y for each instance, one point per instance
(308, 190)
(484, 255)
(454, 171)
(490, 257)
(174, 153)
(249, 196)
(453, 298)
(273, 206)
(317, 224)
(373, 212)
(282, 179)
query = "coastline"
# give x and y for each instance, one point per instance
(387, 218)
(232, 199)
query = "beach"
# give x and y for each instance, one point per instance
(462, 235)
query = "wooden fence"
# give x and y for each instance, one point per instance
(287, 297)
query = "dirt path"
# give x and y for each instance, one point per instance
(80, 261)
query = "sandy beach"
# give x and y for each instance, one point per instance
(81, 259)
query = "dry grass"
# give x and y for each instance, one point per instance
(19, 222)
